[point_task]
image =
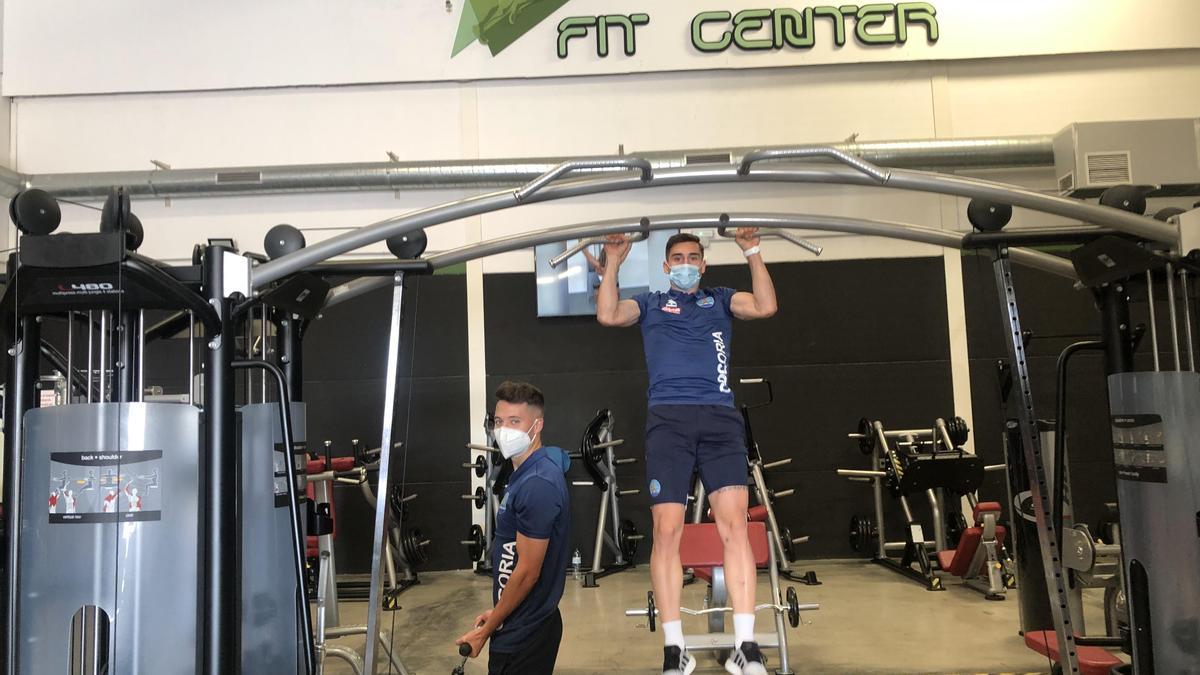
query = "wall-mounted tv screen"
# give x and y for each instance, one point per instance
(570, 289)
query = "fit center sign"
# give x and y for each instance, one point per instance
(64, 47)
(753, 30)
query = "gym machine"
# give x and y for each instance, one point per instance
(932, 463)
(619, 536)
(1154, 418)
(764, 510)
(406, 549)
(701, 550)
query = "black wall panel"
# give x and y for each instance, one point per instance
(852, 338)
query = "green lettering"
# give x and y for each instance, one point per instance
(839, 22)
(786, 22)
(572, 27)
(916, 12)
(870, 16)
(698, 40)
(749, 21)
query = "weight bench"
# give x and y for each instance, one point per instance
(1092, 660)
(701, 549)
(976, 559)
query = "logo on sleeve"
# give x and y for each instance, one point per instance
(655, 488)
(671, 307)
(504, 502)
(705, 302)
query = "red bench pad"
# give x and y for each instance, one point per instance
(958, 560)
(700, 547)
(1092, 660)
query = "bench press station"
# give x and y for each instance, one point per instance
(700, 549)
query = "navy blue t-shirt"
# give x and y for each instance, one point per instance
(687, 337)
(537, 505)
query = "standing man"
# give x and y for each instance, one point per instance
(691, 425)
(529, 552)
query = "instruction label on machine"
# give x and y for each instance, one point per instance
(1138, 448)
(105, 487)
(299, 461)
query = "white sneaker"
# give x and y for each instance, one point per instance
(747, 659)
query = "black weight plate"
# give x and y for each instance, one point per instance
(282, 240)
(988, 216)
(793, 607)
(627, 545)
(409, 245)
(650, 610)
(34, 211)
(1130, 198)
(785, 538)
(958, 430)
(866, 444)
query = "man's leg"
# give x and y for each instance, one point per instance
(670, 461)
(666, 572)
(729, 506)
(723, 468)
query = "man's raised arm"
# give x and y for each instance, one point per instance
(611, 310)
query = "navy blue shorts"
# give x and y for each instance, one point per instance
(681, 439)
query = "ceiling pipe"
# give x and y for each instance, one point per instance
(940, 155)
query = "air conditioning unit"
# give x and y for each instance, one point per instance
(1090, 157)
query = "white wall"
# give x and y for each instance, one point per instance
(589, 115)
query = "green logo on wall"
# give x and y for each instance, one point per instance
(761, 29)
(499, 23)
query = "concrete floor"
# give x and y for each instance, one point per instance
(871, 620)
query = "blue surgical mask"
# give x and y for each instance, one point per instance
(685, 277)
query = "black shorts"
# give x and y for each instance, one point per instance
(538, 655)
(683, 439)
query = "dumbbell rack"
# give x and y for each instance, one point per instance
(596, 452)
(488, 465)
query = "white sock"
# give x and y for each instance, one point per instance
(673, 633)
(743, 628)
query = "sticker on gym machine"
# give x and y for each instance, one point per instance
(105, 487)
(1138, 453)
(300, 455)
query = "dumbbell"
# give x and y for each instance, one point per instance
(479, 497)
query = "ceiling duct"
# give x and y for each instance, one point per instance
(943, 155)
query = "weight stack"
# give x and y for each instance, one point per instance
(1032, 594)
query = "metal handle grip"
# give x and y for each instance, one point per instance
(803, 243)
(861, 473)
(526, 191)
(559, 259)
(858, 163)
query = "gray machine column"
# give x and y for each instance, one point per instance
(1156, 446)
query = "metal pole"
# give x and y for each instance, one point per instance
(70, 357)
(91, 376)
(103, 393)
(877, 493)
(291, 353)
(939, 522)
(20, 397)
(1171, 310)
(140, 393)
(760, 486)
(773, 571)
(1153, 321)
(1187, 317)
(382, 512)
(612, 496)
(220, 644)
(601, 521)
(1035, 462)
(191, 358)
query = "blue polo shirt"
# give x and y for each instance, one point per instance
(537, 505)
(687, 337)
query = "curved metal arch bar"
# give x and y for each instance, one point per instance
(1140, 226)
(879, 228)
